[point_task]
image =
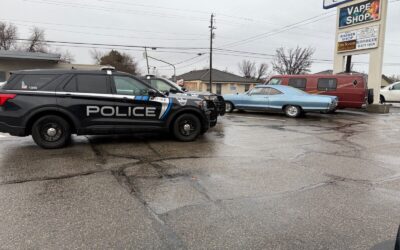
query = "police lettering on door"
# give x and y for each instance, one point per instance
(111, 111)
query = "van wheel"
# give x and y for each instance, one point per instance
(293, 111)
(229, 107)
(187, 127)
(51, 132)
(382, 99)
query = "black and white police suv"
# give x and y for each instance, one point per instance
(51, 105)
(217, 106)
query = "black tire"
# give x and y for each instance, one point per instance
(229, 107)
(43, 129)
(293, 111)
(187, 127)
(214, 123)
(382, 99)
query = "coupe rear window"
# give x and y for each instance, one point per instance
(298, 83)
(33, 82)
(326, 84)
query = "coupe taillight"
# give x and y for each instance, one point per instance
(5, 97)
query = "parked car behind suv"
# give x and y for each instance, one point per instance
(51, 105)
(391, 93)
(164, 85)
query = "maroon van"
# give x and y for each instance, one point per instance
(351, 90)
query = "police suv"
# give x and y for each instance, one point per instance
(51, 105)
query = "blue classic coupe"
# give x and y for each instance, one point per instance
(293, 102)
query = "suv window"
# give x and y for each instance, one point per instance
(33, 82)
(299, 83)
(327, 84)
(160, 85)
(125, 85)
(92, 84)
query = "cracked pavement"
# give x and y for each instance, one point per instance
(256, 181)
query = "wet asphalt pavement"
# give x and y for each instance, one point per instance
(256, 181)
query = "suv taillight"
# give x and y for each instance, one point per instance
(5, 97)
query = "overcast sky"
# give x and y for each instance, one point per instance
(184, 23)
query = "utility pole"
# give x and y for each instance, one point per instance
(147, 60)
(212, 28)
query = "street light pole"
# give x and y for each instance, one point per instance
(173, 66)
(147, 60)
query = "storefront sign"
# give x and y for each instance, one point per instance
(367, 11)
(333, 3)
(359, 39)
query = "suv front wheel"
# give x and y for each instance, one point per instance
(51, 132)
(187, 127)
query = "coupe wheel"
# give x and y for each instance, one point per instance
(187, 127)
(51, 132)
(229, 107)
(292, 111)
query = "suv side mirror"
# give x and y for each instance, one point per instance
(152, 93)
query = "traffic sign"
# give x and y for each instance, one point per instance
(333, 3)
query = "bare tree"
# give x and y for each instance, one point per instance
(395, 78)
(96, 56)
(67, 57)
(8, 36)
(37, 41)
(247, 68)
(262, 71)
(293, 62)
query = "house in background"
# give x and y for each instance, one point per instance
(223, 82)
(385, 80)
(21, 60)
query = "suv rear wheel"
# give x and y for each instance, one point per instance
(187, 127)
(51, 132)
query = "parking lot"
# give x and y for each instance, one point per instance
(256, 181)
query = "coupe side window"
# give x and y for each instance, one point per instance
(299, 83)
(272, 91)
(125, 85)
(325, 84)
(257, 91)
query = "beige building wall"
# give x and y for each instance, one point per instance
(226, 88)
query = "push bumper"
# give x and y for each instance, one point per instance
(12, 130)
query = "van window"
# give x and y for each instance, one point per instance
(327, 84)
(275, 81)
(298, 83)
(33, 82)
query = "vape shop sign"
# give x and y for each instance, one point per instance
(364, 12)
(359, 39)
